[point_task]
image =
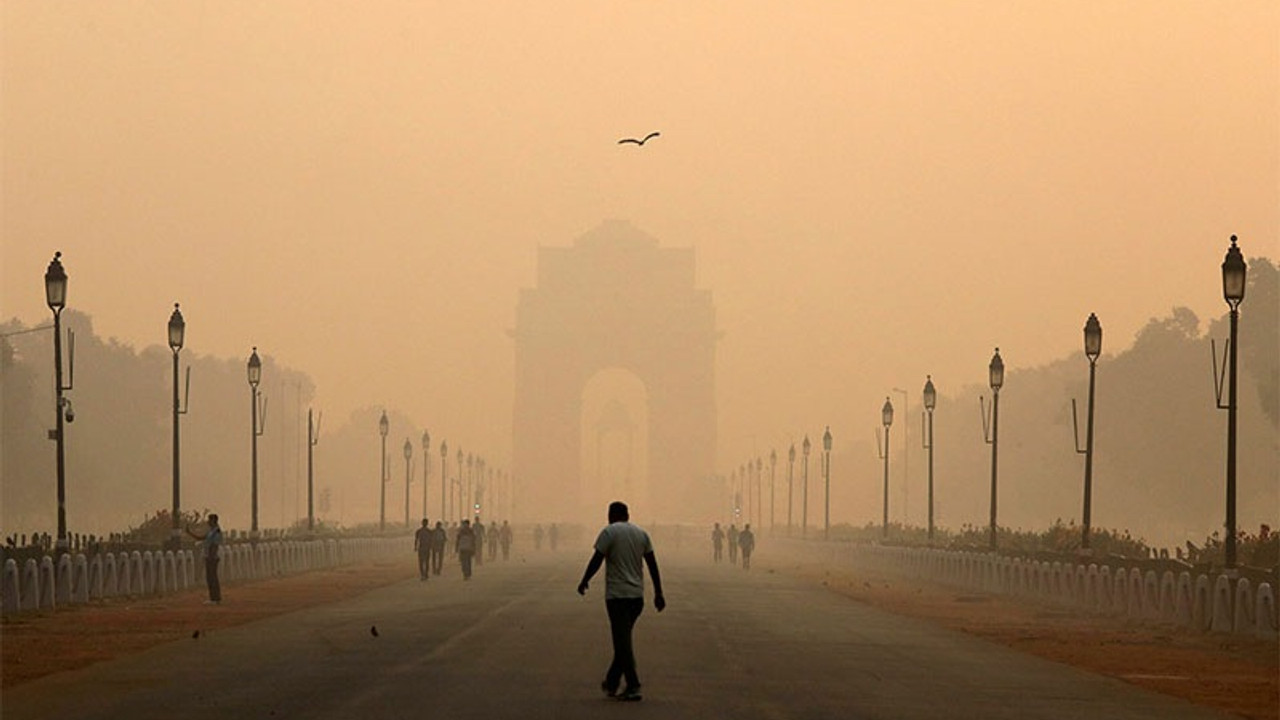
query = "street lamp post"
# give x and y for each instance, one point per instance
(791, 473)
(55, 292)
(444, 475)
(759, 492)
(259, 420)
(408, 477)
(462, 513)
(1234, 272)
(930, 401)
(383, 427)
(804, 511)
(313, 439)
(886, 419)
(826, 473)
(773, 497)
(1092, 349)
(177, 333)
(426, 468)
(991, 431)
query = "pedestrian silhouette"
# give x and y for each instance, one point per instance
(747, 544)
(717, 543)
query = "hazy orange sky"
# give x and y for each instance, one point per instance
(875, 190)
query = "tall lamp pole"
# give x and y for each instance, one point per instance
(444, 477)
(383, 427)
(804, 511)
(1092, 349)
(313, 439)
(55, 292)
(930, 401)
(791, 473)
(759, 491)
(426, 469)
(886, 419)
(1233, 286)
(259, 420)
(408, 477)
(773, 497)
(177, 332)
(991, 431)
(462, 513)
(826, 473)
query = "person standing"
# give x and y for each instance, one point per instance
(210, 542)
(553, 536)
(746, 543)
(423, 542)
(624, 547)
(505, 538)
(733, 544)
(465, 543)
(492, 542)
(439, 539)
(537, 537)
(717, 543)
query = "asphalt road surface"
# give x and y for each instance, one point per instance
(517, 642)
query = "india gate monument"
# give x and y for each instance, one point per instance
(615, 381)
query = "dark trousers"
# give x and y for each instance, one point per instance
(211, 579)
(465, 557)
(424, 564)
(623, 613)
(437, 560)
(719, 553)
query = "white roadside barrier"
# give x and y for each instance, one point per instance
(70, 580)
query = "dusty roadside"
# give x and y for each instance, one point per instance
(33, 645)
(1239, 675)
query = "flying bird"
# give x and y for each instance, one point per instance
(646, 139)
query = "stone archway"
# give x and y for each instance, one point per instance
(615, 299)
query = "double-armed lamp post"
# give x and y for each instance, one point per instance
(384, 426)
(55, 293)
(930, 401)
(1233, 285)
(886, 419)
(1092, 349)
(177, 333)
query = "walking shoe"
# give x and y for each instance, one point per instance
(608, 691)
(630, 693)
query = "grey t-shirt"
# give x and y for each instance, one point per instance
(623, 546)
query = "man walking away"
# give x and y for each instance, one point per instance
(623, 546)
(423, 542)
(717, 543)
(478, 528)
(438, 541)
(537, 537)
(733, 544)
(746, 543)
(211, 541)
(466, 546)
(492, 542)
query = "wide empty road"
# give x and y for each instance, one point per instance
(518, 642)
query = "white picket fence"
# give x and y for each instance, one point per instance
(1215, 604)
(77, 579)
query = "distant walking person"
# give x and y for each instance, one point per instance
(623, 546)
(465, 543)
(553, 536)
(717, 544)
(438, 541)
(746, 543)
(423, 542)
(211, 541)
(505, 538)
(733, 544)
(537, 537)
